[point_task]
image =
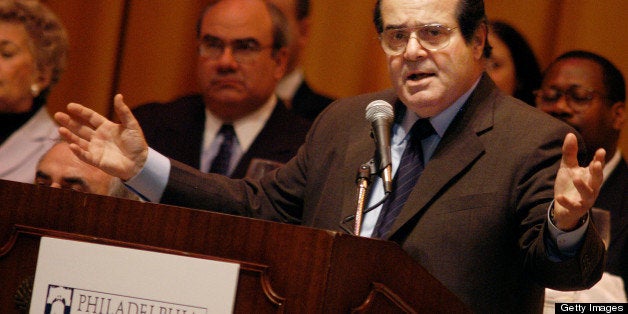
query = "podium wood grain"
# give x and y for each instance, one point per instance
(284, 268)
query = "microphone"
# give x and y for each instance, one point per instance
(380, 114)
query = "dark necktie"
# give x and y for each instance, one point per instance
(220, 164)
(410, 169)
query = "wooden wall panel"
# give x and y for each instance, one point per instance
(159, 51)
(94, 29)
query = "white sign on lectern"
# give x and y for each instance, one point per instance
(80, 277)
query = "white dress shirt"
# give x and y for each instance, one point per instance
(247, 128)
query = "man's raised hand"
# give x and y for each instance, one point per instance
(118, 149)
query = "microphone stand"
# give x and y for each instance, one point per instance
(363, 181)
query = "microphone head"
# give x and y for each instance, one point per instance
(379, 109)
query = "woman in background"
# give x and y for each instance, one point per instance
(512, 64)
(33, 49)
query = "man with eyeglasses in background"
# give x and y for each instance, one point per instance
(588, 92)
(489, 197)
(236, 122)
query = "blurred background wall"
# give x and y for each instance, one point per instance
(145, 49)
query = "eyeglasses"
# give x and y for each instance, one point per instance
(242, 50)
(577, 97)
(431, 37)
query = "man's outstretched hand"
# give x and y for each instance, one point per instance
(118, 149)
(576, 188)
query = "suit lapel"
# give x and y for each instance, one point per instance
(459, 148)
(266, 143)
(276, 139)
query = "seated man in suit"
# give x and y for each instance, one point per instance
(241, 56)
(293, 88)
(60, 168)
(588, 92)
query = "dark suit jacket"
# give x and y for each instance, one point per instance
(476, 218)
(176, 129)
(308, 103)
(614, 197)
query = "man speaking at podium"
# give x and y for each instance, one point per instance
(499, 211)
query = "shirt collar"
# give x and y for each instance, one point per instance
(289, 84)
(246, 128)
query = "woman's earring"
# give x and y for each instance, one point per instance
(35, 90)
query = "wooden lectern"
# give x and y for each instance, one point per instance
(283, 268)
